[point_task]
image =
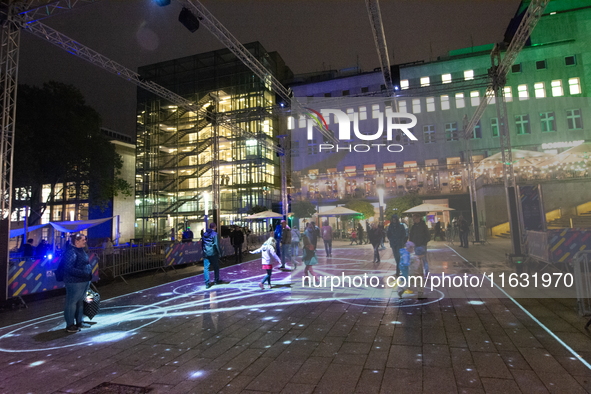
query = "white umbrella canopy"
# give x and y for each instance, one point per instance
(577, 154)
(429, 208)
(264, 215)
(339, 211)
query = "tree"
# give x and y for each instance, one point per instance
(398, 205)
(59, 141)
(256, 209)
(303, 209)
(364, 207)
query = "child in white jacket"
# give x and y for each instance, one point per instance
(267, 252)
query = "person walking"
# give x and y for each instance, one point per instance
(285, 243)
(77, 277)
(375, 238)
(464, 230)
(108, 251)
(367, 228)
(295, 242)
(267, 251)
(211, 255)
(397, 237)
(419, 235)
(327, 238)
(353, 237)
(359, 234)
(277, 236)
(309, 257)
(237, 239)
(312, 234)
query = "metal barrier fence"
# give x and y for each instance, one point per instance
(583, 281)
(131, 260)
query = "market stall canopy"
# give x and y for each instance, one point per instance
(339, 211)
(520, 158)
(264, 215)
(64, 227)
(577, 154)
(429, 208)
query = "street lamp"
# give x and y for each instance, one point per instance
(381, 204)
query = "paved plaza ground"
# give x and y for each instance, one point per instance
(169, 334)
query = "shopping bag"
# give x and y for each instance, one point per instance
(92, 303)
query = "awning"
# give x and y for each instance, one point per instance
(64, 227)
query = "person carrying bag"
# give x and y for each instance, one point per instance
(77, 277)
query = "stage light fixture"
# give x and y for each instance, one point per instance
(162, 3)
(189, 20)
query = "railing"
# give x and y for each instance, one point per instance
(131, 260)
(583, 281)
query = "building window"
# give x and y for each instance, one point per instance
(522, 124)
(541, 65)
(573, 118)
(429, 134)
(302, 122)
(516, 68)
(402, 106)
(404, 84)
(446, 78)
(460, 100)
(477, 132)
(468, 75)
(574, 86)
(362, 113)
(425, 81)
(508, 94)
(416, 106)
(327, 94)
(570, 60)
(451, 132)
(539, 90)
(430, 104)
(312, 147)
(444, 102)
(364, 89)
(345, 92)
(494, 126)
(475, 98)
(557, 88)
(548, 121)
(522, 92)
(295, 148)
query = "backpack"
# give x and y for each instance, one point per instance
(60, 270)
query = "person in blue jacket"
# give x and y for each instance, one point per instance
(277, 235)
(77, 277)
(211, 255)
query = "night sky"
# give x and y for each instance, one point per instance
(310, 35)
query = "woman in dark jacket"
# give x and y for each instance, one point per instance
(375, 238)
(77, 276)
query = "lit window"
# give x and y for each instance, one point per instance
(404, 84)
(468, 75)
(477, 132)
(548, 122)
(574, 86)
(522, 124)
(522, 92)
(557, 88)
(573, 118)
(416, 106)
(460, 100)
(424, 81)
(402, 106)
(508, 94)
(302, 122)
(539, 89)
(451, 131)
(446, 78)
(375, 111)
(290, 123)
(429, 134)
(475, 98)
(444, 102)
(430, 104)
(362, 113)
(494, 126)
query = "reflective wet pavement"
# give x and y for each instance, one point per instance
(181, 338)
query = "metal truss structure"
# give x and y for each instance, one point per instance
(498, 77)
(377, 28)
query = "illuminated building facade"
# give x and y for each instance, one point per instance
(175, 165)
(547, 95)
